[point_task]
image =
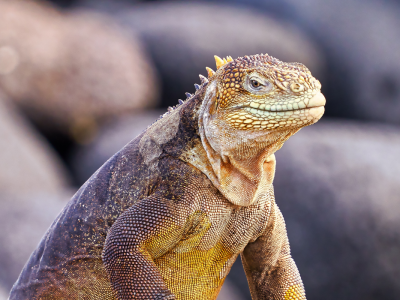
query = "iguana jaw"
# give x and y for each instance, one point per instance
(262, 115)
(318, 100)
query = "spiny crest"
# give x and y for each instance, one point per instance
(219, 62)
(203, 81)
(210, 72)
(222, 61)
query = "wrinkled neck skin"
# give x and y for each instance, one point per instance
(242, 161)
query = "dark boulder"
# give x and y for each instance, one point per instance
(182, 39)
(338, 186)
(28, 164)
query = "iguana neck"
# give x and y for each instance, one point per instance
(241, 166)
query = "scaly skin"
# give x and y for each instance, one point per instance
(166, 217)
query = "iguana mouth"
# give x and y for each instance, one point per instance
(247, 116)
(262, 108)
(260, 112)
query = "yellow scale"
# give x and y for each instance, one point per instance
(191, 273)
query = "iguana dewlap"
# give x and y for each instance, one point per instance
(167, 216)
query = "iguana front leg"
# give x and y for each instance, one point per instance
(271, 272)
(142, 233)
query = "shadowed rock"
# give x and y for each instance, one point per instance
(70, 71)
(3, 293)
(24, 219)
(27, 163)
(338, 185)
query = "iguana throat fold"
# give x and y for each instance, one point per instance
(243, 163)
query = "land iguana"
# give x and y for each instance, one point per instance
(167, 216)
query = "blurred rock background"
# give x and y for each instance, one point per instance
(81, 78)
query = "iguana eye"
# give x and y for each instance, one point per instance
(257, 84)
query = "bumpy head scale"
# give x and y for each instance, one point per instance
(260, 91)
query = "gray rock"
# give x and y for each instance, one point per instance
(338, 186)
(27, 163)
(69, 71)
(183, 38)
(24, 219)
(105, 6)
(3, 293)
(229, 291)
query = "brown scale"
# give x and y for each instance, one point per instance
(233, 78)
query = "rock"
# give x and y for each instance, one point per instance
(338, 185)
(359, 38)
(27, 163)
(238, 279)
(69, 71)
(3, 293)
(106, 6)
(182, 39)
(111, 138)
(229, 291)
(29, 172)
(23, 221)
(64, 3)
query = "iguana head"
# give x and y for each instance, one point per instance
(251, 106)
(262, 93)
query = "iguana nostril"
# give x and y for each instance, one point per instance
(317, 100)
(296, 87)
